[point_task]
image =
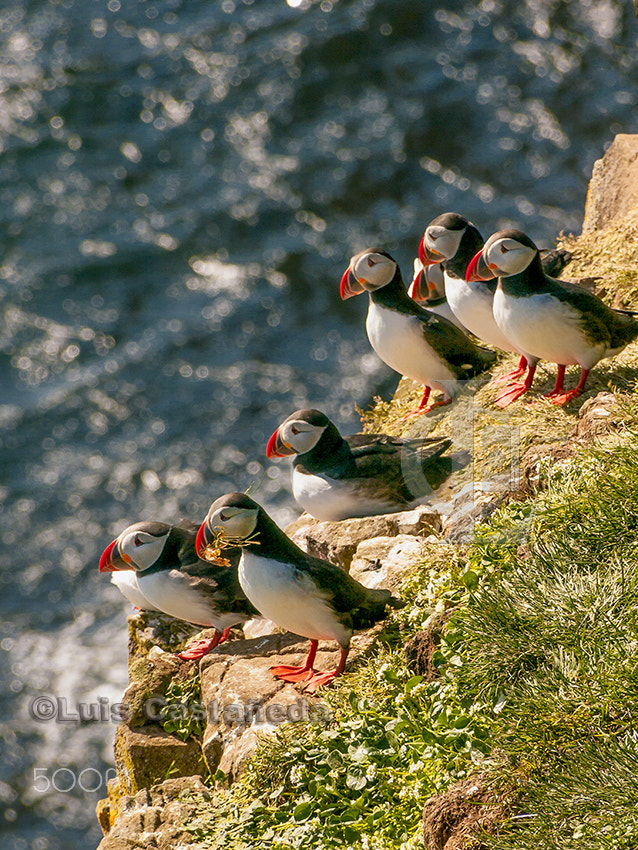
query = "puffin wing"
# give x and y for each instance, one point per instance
(554, 261)
(219, 584)
(355, 605)
(389, 461)
(188, 525)
(361, 444)
(452, 345)
(614, 328)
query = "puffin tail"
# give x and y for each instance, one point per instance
(484, 359)
(374, 608)
(555, 260)
(432, 448)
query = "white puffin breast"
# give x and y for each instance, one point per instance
(398, 340)
(546, 328)
(126, 583)
(295, 604)
(330, 500)
(473, 305)
(445, 311)
(171, 592)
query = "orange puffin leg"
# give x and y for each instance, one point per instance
(290, 673)
(320, 679)
(424, 407)
(200, 648)
(420, 409)
(558, 386)
(515, 373)
(563, 398)
(514, 391)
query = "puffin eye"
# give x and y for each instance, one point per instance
(294, 430)
(137, 540)
(224, 517)
(504, 250)
(370, 262)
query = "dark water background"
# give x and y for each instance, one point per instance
(182, 184)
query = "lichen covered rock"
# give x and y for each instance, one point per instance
(613, 189)
(243, 699)
(148, 753)
(157, 817)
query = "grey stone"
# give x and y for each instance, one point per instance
(156, 817)
(243, 699)
(338, 541)
(386, 561)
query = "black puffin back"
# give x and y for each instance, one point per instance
(331, 449)
(470, 244)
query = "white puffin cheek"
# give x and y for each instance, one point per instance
(376, 275)
(237, 526)
(142, 555)
(305, 438)
(437, 239)
(512, 261)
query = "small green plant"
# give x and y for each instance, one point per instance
(183, 714)
(394, 740)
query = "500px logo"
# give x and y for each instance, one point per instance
(46, 708)
(63, 779)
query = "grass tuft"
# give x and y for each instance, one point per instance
(555, 634)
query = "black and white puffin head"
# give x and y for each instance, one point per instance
(505, 253)
(428, 282)
(297, 434)
(235, 515)
(442, 238)
(369, 270)
(137, 548)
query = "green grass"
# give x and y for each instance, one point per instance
(538, 689)
(555, 633)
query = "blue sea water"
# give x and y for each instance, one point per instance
(182, 184)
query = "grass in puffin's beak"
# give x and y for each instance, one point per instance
(213, 551)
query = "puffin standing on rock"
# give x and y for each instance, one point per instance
(546, 318)
(172, 578)
(411, 340)
(302, 594)
(335, 477)
(452, 241)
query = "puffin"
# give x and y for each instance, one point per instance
(302, 594)
(335, 477)
(428, 288)
(175, 581)
(546, 318)
(412, 341)
(450, 241)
